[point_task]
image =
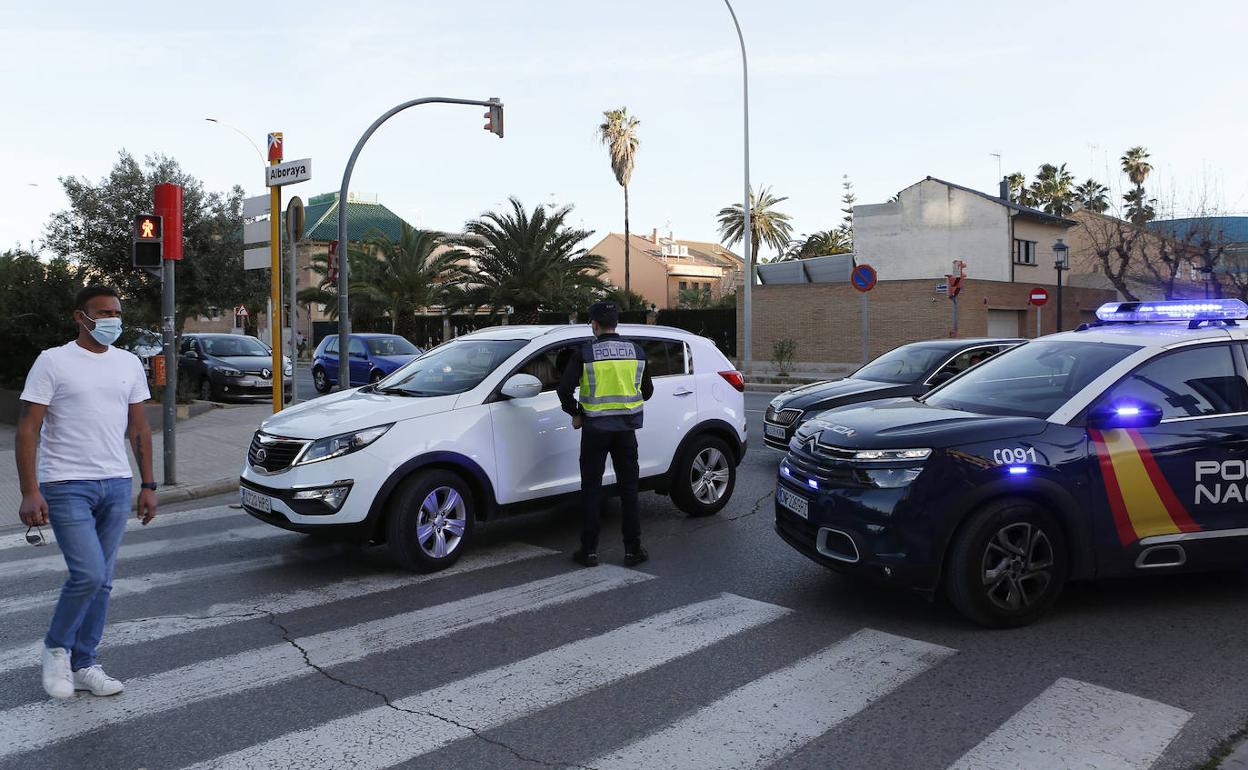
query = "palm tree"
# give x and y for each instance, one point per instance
(1093, 196)
(1139, 207)
(405, 275)
(1052, 189)
(766, 225)
(835, 241)
(1136, 166)
(1017, 183)
(528, 260)
(619, 133)
(364, 310)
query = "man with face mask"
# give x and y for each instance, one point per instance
(81, 403)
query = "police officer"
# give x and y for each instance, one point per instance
(614, 382)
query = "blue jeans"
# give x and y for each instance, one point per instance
(89, 518)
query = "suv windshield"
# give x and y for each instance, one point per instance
(906, 364)
(233, 346)
(1031, 380)
(391, 346)
(455, 367)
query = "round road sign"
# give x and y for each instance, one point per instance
(1038, 296)
(863, 277)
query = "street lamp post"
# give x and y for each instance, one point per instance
(747, 313)
(344, 315)
(1061, 257)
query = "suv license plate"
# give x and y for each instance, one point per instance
(256, 500)
(774, 431)
(794, 502)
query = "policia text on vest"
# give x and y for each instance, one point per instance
(614, 382)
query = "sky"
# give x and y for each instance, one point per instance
(886, 93)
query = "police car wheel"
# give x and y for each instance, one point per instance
(320, 380)
(429, 520)
(1008, 564)
(705, 477)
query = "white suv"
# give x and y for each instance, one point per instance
(473, 429)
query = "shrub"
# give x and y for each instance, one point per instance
(782, 355)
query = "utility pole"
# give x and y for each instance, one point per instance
(275, 274)
(494, 125)
(747, 313)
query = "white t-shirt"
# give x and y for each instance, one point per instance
(88, 396)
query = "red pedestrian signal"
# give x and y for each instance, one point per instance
(146, 245)
(494, 118)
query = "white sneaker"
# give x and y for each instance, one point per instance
(95, 681)
(57, 679)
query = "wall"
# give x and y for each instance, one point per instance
(826, 319)
(647, 277)
(931, 225)
(1045, 235)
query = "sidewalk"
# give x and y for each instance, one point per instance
(211, 448)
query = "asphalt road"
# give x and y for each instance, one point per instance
(244, 646)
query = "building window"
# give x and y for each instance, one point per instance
(1024, 252)
(684, 285)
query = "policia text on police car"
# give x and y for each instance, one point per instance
(611, 372)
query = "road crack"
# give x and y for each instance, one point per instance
(389, 702)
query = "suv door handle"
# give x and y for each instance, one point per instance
(683, 393)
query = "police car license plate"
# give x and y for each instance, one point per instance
(255, 500)
(774, 431)
(794, 502)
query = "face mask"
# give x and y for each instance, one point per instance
(106, 330)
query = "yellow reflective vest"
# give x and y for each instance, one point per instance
(611, 373)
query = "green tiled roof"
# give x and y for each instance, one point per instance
(363, 220)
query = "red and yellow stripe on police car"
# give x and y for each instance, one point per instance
(1140, 498)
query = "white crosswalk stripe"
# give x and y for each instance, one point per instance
(1079, 725)
(151, 629)
(383, 737)
(40, 724)
(54, 562)
(17, 538)
(771, 717)
(141, 584)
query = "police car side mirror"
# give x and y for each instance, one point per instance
(521, 386)
(1108, 416)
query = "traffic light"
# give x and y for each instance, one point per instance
(494, 118)
(146, 249)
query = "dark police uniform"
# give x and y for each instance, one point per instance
(611, 373)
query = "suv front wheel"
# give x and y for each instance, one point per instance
(705, 477)
(1007, 565)
(429, 520)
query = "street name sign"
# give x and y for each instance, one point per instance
(256, 207)
(290, 172)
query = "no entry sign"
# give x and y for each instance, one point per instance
(863, 277)
(1038, 296)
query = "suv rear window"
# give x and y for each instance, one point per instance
(664, 358)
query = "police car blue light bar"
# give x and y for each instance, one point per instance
(1174, 310)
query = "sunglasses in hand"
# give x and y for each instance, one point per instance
(36, 537)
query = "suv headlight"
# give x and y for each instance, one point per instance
(891, 478)
(287, 371)
(227, 371)
(342, 444)
(891, 455)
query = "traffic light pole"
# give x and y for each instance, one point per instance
(169, 415)
(344, 262)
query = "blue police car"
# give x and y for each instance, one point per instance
(1117, 449)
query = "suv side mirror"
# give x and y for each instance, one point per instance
(521, 386)
(1124, 415)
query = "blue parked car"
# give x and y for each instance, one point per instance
(372, 357)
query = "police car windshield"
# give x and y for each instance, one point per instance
(904, 365)
(456, 367)
(1031, 380)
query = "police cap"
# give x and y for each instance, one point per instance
(605, 313)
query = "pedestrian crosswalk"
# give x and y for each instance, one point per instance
(783, 709)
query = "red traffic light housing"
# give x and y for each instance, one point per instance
(147, 242)
(494, 118)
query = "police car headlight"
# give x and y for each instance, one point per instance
(342, 444)
(891, 478)
(891, 455)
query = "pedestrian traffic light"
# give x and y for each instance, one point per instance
(146, 246)
(494, 118)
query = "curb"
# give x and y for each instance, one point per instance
(182, 493)
(178, 494)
